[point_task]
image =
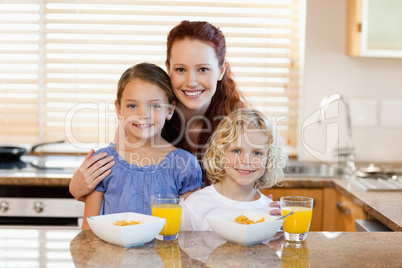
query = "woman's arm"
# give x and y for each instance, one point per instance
(92, 171)
(93, 206)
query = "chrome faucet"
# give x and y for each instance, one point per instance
(348, 152)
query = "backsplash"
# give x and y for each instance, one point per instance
(373, 87)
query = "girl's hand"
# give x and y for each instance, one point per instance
(275, 204)
(92, 171)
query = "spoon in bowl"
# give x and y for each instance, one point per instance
(287, 215)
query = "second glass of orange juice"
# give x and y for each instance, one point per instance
(167, 206)
(296, 226)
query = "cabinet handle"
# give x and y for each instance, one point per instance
(38, 206)
(4, 206)
(344, 210)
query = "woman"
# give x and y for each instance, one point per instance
(206, 92)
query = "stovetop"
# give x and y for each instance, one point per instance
(45, 163)
(379, 183)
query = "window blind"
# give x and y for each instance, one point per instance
(19, 71)
(61, 60)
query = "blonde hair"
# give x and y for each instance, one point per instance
(229, 129)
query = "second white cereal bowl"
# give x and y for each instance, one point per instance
(224, 226)
(129, 235)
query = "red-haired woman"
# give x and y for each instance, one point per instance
(205, 90)
(202, 82)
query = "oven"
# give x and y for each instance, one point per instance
(42, 203)
(33, 205)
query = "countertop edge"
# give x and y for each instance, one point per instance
(339, 184)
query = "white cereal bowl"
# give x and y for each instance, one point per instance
(129, 235)
(224, 226)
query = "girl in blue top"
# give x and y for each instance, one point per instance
(146, 164)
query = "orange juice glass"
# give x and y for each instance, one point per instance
(296, 226)
(167, 206)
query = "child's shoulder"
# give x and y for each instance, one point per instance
(179, 154)
(205, 192)
(183, 152)
(109, 149)
(182, 163)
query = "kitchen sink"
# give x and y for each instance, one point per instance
(371, 182)
(309, 169)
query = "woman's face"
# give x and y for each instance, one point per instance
(194, 71)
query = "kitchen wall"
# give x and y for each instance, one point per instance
(373, 86)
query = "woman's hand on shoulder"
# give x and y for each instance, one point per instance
(275, 204)
(92, 171)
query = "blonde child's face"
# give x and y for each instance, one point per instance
(194, 71)
(246, 158)
(144, 108)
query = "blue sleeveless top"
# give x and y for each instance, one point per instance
(128, 188)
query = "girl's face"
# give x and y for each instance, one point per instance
(144, 108)
(194, 72)
(246, 158)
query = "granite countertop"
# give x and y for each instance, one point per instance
(385, 206)
(38, 178)
(65, 248)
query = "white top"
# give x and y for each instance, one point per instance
(208, 202)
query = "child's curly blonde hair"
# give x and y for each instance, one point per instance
(229, 129)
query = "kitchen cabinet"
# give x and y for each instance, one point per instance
(332, 211)
(316, 194)
(373, 28)
(340, 212)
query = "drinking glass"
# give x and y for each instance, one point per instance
(167, 206)
(296, 226)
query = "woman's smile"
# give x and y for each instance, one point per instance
(143, 126)
(193, 93)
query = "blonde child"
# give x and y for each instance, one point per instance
(146, 164)
(243, 155)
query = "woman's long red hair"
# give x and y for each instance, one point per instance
(227, 97)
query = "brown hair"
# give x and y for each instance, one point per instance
(227, 97)
(147, 72)
(229, 129)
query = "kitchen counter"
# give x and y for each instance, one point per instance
(40, 170)
(39, 178)
(385, 206)
(69, 248)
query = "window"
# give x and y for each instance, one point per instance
(60, 60)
